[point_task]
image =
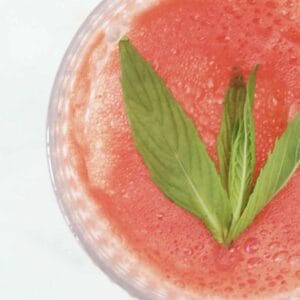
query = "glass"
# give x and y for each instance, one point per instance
(107, 251)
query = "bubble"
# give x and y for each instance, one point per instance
(223, 38)
(251, 245)
(274, 245)
(174, 51)
(219, 101)
(284, 12)
(287, 229)
(210, 83)
(294, 261)
(126, 196)
(274, 101)
(196, 17)
(160, 216)
(179, 84)
(228, 259)
(209, 139)
(198, 247)
(188, 251)
(280, 256)
(155, 64)
(180, 284)
(187, 89)
(293, 60)
(264, 233)
(284, 271)
(254, 262)
(294, 109)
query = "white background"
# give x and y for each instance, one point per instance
(39, 258)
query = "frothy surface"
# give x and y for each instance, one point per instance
(193, 46)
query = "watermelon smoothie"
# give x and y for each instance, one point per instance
(193, 45)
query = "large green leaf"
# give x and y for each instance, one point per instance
(170, 145)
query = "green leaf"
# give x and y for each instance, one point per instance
(242, 160)
(170, 145)
(233, 108)
(280, 166)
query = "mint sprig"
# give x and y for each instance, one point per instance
(178, 161)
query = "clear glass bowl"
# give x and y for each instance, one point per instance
(107, 250)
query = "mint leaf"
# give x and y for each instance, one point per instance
(242, 160)
(280, 166)
(233, 108)
(170, 145)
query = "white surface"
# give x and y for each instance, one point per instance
(39, 257)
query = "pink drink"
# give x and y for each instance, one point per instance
(193, 45)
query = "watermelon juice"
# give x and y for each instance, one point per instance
(194, 45)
